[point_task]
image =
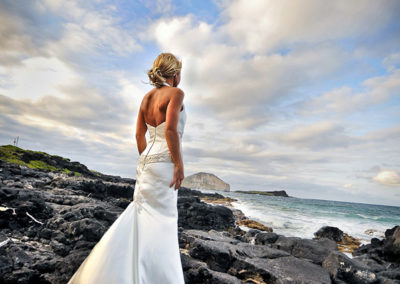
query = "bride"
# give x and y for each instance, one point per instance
(141, 246)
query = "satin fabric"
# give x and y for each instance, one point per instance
(141, 246)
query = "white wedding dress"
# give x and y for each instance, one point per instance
(141, 246)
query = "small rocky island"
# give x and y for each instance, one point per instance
(205, 181)
(269, 193)
(53, 212)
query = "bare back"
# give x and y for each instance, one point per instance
(154, 105)
(158, 106)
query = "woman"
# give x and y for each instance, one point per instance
(141, 246)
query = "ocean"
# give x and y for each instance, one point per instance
(298, 217)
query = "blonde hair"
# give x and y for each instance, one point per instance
(166, 65)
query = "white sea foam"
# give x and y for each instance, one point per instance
(303, 217)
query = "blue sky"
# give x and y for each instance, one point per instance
(295, 95)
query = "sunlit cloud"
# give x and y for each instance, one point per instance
(279, 94)
(388, 177)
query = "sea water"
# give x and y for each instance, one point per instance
(298, 217)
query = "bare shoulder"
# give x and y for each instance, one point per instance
(146, 99)
(177, 93)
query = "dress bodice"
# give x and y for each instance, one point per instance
(158, 142)
(157, 148)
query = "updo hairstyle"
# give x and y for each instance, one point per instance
(166, 65)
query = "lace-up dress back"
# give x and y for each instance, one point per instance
(141, 246)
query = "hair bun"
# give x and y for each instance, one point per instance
(166, 65)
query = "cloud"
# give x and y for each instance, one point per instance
(35, 77)
(71, 31)
(320, 135)
(345, 99)
(279, 95)
(221, 76)
(81, 107)
(43, 84)
(92, 148)
(269, 25)
(392, 61)
(388, 177)
(90, 28)
(16, 39)
(264, 53)
(159, 6)
(384, 135)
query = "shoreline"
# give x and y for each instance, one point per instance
(292, 217)
(347, 246)
(49, 222)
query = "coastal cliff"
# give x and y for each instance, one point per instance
(205, 181)
(51, 219)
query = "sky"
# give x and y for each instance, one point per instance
(302, 96)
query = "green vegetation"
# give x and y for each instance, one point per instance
(96, 173)
(15, 155)
(36, 164)
(67, 171)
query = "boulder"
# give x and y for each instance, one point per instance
(289, 270)
(313, 250)
(391, 248)
(342, 268)
(331, 233)
(195, 214)
(266, 238)
(196, 271)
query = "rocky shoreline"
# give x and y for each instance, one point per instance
(50, 221)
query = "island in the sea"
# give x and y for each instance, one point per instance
(205, 181)
(270, 193)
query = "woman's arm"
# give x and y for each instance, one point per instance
(171, 134)
(141, 129)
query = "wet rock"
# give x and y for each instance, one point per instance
(248, 262)
(289, 270)
(217, 255)
(349, 243)
(266, 238)
(346, 243)
(256, 251)
(194, 214)
(391, 248)
(221, 236)
(254, 224)
(331, 233)
(196, 271)
(342, 268)
(381, 256)
(313, 250)
(372, 264)
(393, 275)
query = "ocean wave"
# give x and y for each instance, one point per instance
(303, 217)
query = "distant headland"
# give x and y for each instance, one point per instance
(205, 181)
(270, 193)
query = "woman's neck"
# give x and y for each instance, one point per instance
(169, 82)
